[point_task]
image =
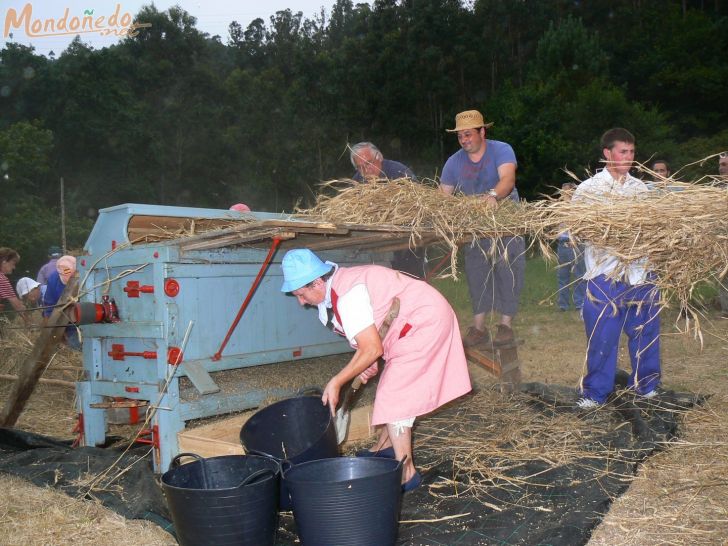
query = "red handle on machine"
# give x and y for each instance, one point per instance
(256, 282)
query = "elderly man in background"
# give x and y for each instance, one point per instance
(620, 297)
(370, 165)
(494, 268)
(65, 269)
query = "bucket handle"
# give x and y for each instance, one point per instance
(255, 475)
(175, 462)
(261, 454)
(400, 464)
(313, 390)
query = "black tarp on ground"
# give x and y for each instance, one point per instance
(46, 461)
(558, 505)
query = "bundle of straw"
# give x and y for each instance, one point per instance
(420, 207)
(682, 235)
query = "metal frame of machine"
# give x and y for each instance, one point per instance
(166, 299)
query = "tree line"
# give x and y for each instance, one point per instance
(175, 116)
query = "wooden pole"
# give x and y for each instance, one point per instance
(63, 218)
(57, 382)
(32, 367)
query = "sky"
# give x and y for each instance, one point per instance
(213, 17)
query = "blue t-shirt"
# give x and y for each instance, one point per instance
(391, 170)
(477, 178)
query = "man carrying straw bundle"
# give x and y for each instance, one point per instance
(620, 296)
(494, 268)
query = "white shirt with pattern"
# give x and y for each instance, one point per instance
(601, 189)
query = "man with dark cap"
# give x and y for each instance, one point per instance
(49, 268)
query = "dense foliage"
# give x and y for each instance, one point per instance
(174, 116)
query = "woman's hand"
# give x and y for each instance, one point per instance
(331, 394)
(370, 372)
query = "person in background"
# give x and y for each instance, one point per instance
(49, 267)
(240, 207)
(9, 259)
(620, 297)
(425, 362)
(661, 168)
(571, 263)
(29, 291)
(723, 164)
(495, 276)
(723, 286)
(370, 165)
(65, 269)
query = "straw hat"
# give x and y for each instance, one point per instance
(300, 267)
(470, 119)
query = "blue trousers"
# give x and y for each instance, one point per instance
(610, 308)
(571, 266)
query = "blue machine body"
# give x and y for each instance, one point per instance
(172, 300)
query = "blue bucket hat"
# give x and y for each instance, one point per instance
(300, 267)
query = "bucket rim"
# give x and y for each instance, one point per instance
(276, 473)
(368, 461)
(245, 430)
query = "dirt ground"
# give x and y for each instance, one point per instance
(679, 496)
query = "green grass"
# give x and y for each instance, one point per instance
(539, 289)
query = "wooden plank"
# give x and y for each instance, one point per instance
(219, 438)
(57, 382)
(237, 239)
(328, 244)
(308, 227)
(126, 403)
(199, 377)
(222, 437)
(32, 367)
(487, 361)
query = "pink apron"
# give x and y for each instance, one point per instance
(425, 362)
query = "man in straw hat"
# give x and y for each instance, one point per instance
(426, 365)
(494, 268)
(620, 297)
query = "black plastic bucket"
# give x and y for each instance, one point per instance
(296, 429)
(231, 499)
(347, 501)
